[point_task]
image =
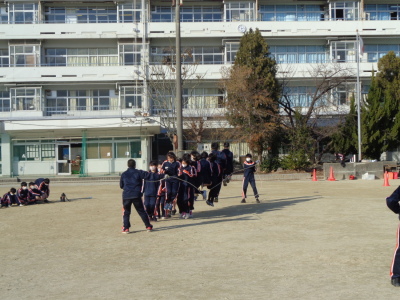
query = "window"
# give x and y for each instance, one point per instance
(129, 54)
(201, 14)
(131, 97)
(101, 100)
(48, 151)
(344, 11)
(375, 52)
(299, 54)
(203, 98)
(162, 14)
(291, 12)
(62, 101)
(299, 96)
(4, 58)
(5, 101)
(239, 11)
(24, 55)
(3, 15)
(129, 13)
(84, 14)
(26, 152)
(382, 11)
(231, 50)
(343, 51)
(23, 13)
(190, 55)
(342, 94)
(81, 57)
(99, 150)
(26, 98)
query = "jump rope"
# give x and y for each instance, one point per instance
(176, 177)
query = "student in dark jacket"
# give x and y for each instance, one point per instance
(249, 167)
(10, 198)
(43, 184)
(220, 159)
(186, 190)
(195, 162)
(170, 167)
(131, 183)
(35, 194)
(215, 180)
(150, 190)
(206, 172)
(23, 193)
(229, 164)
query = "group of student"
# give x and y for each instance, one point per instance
(28, 194)
(175, 184)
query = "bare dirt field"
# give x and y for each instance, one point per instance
(306, 240)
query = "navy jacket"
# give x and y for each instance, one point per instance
(152, 184)
(221, 158)
(249, 168)
(393, 201)
(229, 161)
(131, 182)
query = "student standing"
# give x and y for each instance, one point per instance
(186, 190)
(170, 167)
(249, 167)
(229, 164)
(150, 190)
(131, 182)
(215, 180)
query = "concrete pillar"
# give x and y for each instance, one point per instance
(146, 151)
(6, 159)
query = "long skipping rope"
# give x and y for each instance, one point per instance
(175, 177)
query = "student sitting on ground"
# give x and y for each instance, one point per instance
(10, 198)
(35, 194)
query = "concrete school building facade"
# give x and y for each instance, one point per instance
(75, 92)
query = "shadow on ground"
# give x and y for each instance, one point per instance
(240, 212)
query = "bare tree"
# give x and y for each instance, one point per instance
(161, 86)
(317, 118)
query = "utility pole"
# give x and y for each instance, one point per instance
(178, 100)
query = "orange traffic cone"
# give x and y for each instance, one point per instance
(331, 176)
(314, 175)
(386, 179)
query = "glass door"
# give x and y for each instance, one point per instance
(63, 159)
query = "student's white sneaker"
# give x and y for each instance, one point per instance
(21, 205)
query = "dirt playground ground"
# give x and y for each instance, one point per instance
(306, 240)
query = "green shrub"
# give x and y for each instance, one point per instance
(295, 161)
(271, 163)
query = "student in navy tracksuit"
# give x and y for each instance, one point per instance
(206, 172)
(393, 203)
(195, 162)
(170, 167)
(43, 184)
(249, 167)
(10, 198)
(215, 179)
(150, 190)
(131, 183)
(229, 164)
(35, 194)
(221, 160)
(160, 196)
(23, 193)
(186, 190)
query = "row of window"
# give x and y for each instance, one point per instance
(129, 54)
(28, 55)
(27, 13)
(64, 101)
(44, 151)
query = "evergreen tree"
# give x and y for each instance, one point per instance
(380, 115)
(345, 139)
(252, 94)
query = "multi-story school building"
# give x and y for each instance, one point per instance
(75, 75)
